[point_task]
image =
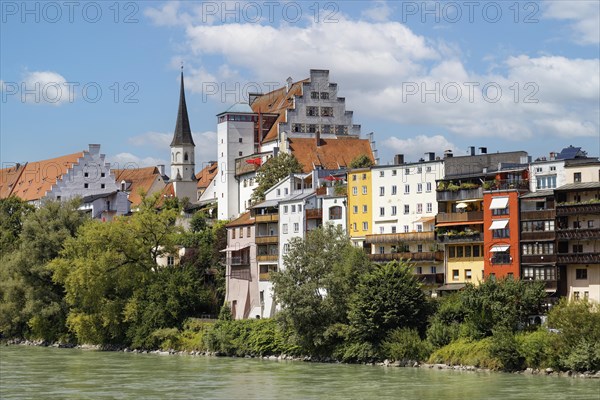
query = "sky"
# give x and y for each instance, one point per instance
(422, 75)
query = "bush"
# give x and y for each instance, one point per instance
(166, 338)
(539, 349)
(356, 352)
(467, 352)
(584, 356)
(405, 344)
(441, 333)
(505, 348)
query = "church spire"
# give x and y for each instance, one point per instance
(183, 133)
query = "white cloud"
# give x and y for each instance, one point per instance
(584, 16)
(129, 160)
(46, 87)
(168, 15)
(415, 148)
(380, 12)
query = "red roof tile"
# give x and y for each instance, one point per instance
(331, 154)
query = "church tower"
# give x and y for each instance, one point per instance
(183, 175)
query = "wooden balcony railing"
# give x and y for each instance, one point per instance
(266, 239)
(239, 261)
(400, 237)
(538, 235)
(577, 208)
(461, 194)
(538, 259)
(264, 276)
(431, 279)
(538, 215)
(414, 257)
(592, 233)
(458, 238)
(267, 257)
(266, 217)
(466, 217)
(316, 213)
(579, 258)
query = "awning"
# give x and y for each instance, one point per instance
(499, 224)
(462, 205)
(424, 219)
(496, 249)
(235, 248)
(499, 203)
(450, 287)
(459, 223)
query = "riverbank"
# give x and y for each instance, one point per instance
(324, 360)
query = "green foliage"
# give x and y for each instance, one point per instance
(386, 298)
(164, 338)
(452, 187)
(361, 161)
(198, 222)
(539, 349)
(271, 172)
(257, 337)
(32, 305)
(440, 333)
(505, 348)
(467, 352)
(225, 313)
(583, 356)
(13, 212)
(576, 320)
(496, 304)
(405, 344)
(320, 274)
(468, 185)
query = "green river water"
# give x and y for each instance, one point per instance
(51, 373)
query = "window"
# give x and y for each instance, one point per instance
(299, 207)
(312, 111)
(552, 168)
(335, 212)
(407, 171)
(354, 177)
(429, 207)
(419, 270)
(419, 208)
(293, 208)
(381, 230)
(240, 153)
(381, 250)
(501, 257)
(241, 233)
(394, 190)
(500, 211)
(455, 274)
(85, 185)
(324, 95)
(538, 169)
(419, 170)
(233, 233)
(278, 192)
(419, 187)
(394, 210)
(577, 248)
(365, 226)
(85, 174)
(500, 233)
(248, 232)
(327, 111)
(546, 182)
(314, 95)
(406, 189)
(102, 186)
(393, 229)
(286, 248)
(354, 226)
(428, 169)
(285, 191)
(285, 209)
(575, 295)
(586, 295)
(240, 140)
(406, 230)
(428, 186)
(433, 270)
(296, 227)
(590, 223)
(576, 224)
(364, 190)
(468, 274)
(102, 175)
(381, 174)
(406, 209)
(364, 177)
(394, 172)
(381, 211)
(284, 228)
(365, 208)
(419, 248)
(477, 251)
(355, 209)
(170, 260)
(354, 191)
(382, 191)
(577, 177)
(581, 273)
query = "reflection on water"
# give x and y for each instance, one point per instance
(37, 372)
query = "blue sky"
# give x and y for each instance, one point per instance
(414, 73)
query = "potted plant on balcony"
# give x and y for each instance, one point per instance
(452, 187)
(468, 185)
(441, 186)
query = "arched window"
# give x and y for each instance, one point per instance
(177, 155)
(185, 157)
(335, 212)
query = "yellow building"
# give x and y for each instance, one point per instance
(360, 205)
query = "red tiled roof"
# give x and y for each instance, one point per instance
(244, 219)
(141, 180)
(331, 154)
(277, 102)
(207, 174)
(36, 178)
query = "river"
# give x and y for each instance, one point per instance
(52, 373)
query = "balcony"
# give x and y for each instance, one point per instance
(460, 237)
(267, 257)
(593, 233)
(538, 235)
(538, 259)
(577, 208)
(426, 256)
(466, 217)
(239, 261)
(579, 258)
(431, 279)
(538, 215)
(316, 213)
(264, 276)
(266, 239)
(266, 218)
(459, 195)
(400, 237)
(549, 285)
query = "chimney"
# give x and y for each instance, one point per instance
(399, 159)
(472, 150)
(483, 150)
(448, 154)
(552, 155)
(288, 84)
(430, 156)
(161, 169)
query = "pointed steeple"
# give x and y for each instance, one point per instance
(183, 133)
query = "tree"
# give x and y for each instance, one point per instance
(13, 211)
(387, 298)
(271, 172)
(32, 304)
(361, 161)
(319, 275)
